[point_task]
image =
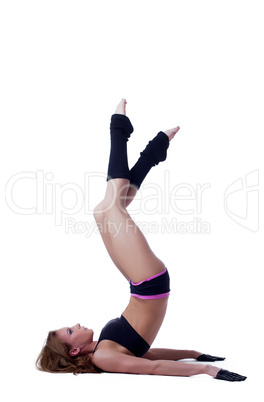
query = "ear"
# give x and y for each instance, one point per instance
(74, 352)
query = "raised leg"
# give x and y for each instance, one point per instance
(129, 245)
(121, 192)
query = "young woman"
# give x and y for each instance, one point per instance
(124, 343)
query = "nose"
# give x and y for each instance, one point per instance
(78, 325)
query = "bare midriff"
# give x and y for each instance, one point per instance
(146, 316)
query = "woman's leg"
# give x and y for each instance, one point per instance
(120, 129)
(141, 168)
(129, 245)
(118, 166)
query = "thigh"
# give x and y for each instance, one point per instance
(131, 246)
(106, 237)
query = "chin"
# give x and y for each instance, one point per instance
(90, 332)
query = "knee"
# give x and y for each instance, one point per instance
(98, 212)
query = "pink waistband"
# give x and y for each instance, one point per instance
(151, 297)
(149, 279)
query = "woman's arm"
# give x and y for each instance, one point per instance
(114, 362)
(170, 354)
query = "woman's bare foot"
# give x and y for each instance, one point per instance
(171, 133)
(121, 107)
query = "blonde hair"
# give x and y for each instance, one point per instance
(54, 358)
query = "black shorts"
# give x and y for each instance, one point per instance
(154, 287)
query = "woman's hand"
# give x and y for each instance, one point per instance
(209, 358)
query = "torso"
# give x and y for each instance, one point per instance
(145, 316)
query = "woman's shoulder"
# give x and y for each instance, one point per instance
(103, 355)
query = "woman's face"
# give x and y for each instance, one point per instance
(78, 337)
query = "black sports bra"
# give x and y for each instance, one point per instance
(120, 331)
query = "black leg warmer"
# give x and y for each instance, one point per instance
(120, 130)
(155, 152)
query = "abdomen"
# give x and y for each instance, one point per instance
(146, 316)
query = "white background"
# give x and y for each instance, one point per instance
(64, 67)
